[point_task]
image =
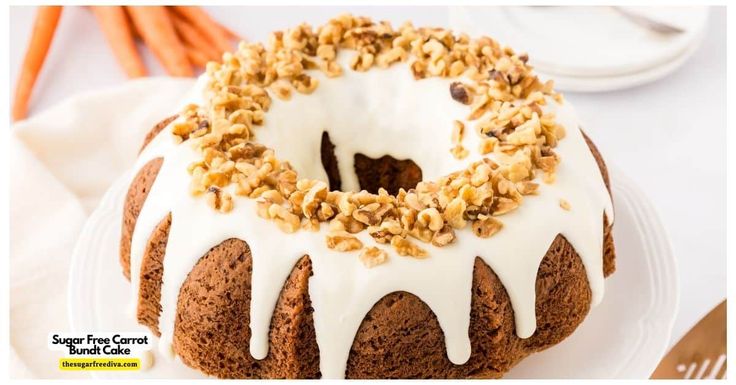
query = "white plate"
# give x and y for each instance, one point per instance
(624, 337)
(590, 49)
(613, 83)
(585, 40)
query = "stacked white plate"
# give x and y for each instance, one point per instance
(591, 49)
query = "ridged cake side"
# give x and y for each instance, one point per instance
(399, 338)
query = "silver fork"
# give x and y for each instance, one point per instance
(701, 353)
(715, 370)
(647, 22)
(640, 20)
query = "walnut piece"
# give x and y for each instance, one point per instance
(408, 248)
(486, 226)
(373, 256)
(459, 93)
(343, 241)
(565, 205)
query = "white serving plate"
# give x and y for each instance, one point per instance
(624, 337)
(620, 82)
(589, 48)
(586, 40)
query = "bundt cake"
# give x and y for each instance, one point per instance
(441, 214)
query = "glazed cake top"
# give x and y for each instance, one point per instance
(502, 101)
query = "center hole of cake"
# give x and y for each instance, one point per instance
(373, 173)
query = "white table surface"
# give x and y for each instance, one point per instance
(668, 136)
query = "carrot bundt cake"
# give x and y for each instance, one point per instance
(440, 215)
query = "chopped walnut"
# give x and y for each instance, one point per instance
(219, 200)
(367, 215)
(565, 205)
(380, 235)
(287, 221)
(314, 198)
(504, 205)
(373, 256)
(459, 152)
(304, 84)
(481, 175)
(345, 204)
(343, 241)
(486, 226)
(282, 90)
(458, 131)
(406, 247)
(430, 218)
(325, 212)
(350, 224)
(326, 52)
(444, 236)
(487, 145)
(311, 224)
(454, 213)
(527, 188)
(459, 93)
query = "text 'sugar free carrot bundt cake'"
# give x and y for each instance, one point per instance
(440, 214)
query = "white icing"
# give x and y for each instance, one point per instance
(379, 112)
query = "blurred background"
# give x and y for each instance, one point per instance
(652, 99)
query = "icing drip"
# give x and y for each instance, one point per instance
(379, 112)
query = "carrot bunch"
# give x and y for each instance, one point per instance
(182, 38)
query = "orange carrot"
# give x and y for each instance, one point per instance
(117, 30)
(136, 34)
(155, 26)
(197, 57)
(47, 18)
(206, 26)
(192, 37)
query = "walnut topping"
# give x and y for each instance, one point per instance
(505, 103)
(459, 93)
(219, 200)
(486, 226)
(459, 152)
(405, 247)
(367, 215)
(454, 213)
(487, 145)
(565, 205)
(380, 235)
(282, 90)
(430, 218)
(527, 188)
(314, 199)
(349, 223)
(373, 256)
(504, 205)
(444, 236)
(343, 241)
(458, 131)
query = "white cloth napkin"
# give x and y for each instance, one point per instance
(62, 161)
